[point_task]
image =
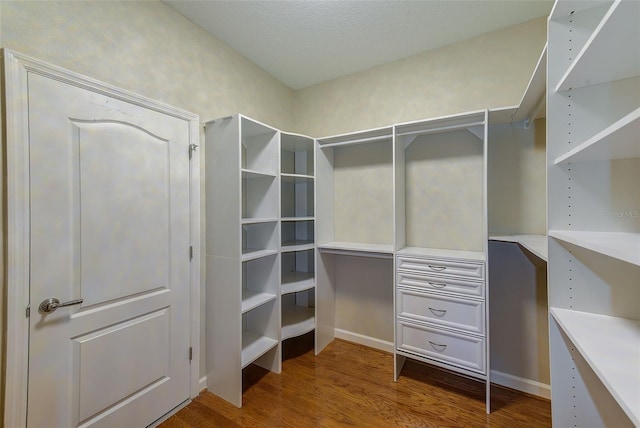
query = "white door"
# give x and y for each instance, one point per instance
(109, 202)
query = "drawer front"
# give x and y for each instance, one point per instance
(467, 269)
(452, 312)
(444, 346)
(442, 284)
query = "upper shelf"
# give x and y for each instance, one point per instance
(617, 141)
(442, 124)
(369, 136)
(610, 346)
(536, 244)
(533, 100)
(358, 249)
(618, 245)
(602, 59)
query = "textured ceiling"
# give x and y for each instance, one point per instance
(302, 43)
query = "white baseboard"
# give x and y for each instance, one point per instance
(360, 339)
(521, 384)
(203, 383)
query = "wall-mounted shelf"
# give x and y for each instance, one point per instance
(599, 60)
(532, 104)
(618, 245)
(610, 345)
(358, 249)
(536, 244)
(617, 141)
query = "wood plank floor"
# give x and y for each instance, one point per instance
(352, 385)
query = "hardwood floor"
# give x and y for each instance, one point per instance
(352, 385)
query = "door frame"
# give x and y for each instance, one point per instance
(15, 260)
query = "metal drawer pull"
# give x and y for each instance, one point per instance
(438, 268)
(438, 346)
(437, 312)
(437, 284)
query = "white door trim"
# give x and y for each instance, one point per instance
(16, 67)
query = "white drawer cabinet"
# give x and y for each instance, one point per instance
(441, 315)
(441, 284)
(446, 311)
(459, 268)
(444, 346)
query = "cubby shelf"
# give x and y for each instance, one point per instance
(296, 176)
(617, 141)
(258, 220)
(254, 346)
(610, 345)
(249, 173)
(600, 60)
(618, 245)
(256, 253)
(294, 282)
(297, 245)
(297, 320)
(252, 299)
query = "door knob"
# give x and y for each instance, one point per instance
(51, 304)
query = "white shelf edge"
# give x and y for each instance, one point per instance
(255, 220)
(617, 141)
(618, 245)
(600, 41)
(251, 173)
(296, 282)
(357, 249)
(442, 253)
(255, 346)
(536, 244)
(296, 321)
(297, 247)
(602, 341)
(252, 299)
(535, 92)
(300, 176)
(297, 218)
(257, 254)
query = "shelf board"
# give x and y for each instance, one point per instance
(618, 245)
(250, 173)
(252, 299)
(602, 59)
(362, 137)
(358, 249)
(617, 141)
(253, 253)
(536, 244)
(297, 245)
(254, 346)
(297, 320)
(294, 282)
(532, 102)
(443, 253)
(297, 218)
(296, 177)
(253, 220)
(610, 346)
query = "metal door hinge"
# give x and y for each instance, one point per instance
(192, 148)
(28, 311)
(190, 354)
(191, 252)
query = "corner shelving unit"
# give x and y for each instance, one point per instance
(594, 226)
(297, 216)
(243, 258)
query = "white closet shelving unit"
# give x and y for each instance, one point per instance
(243, 258)
(441, 306)
(261, 254)
(594, 200)
(355, 214)
(297, 217)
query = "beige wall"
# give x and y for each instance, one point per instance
(488, 71)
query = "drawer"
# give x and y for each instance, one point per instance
(452, 312)
(460, 268)
(447, 347)
(442, 284)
